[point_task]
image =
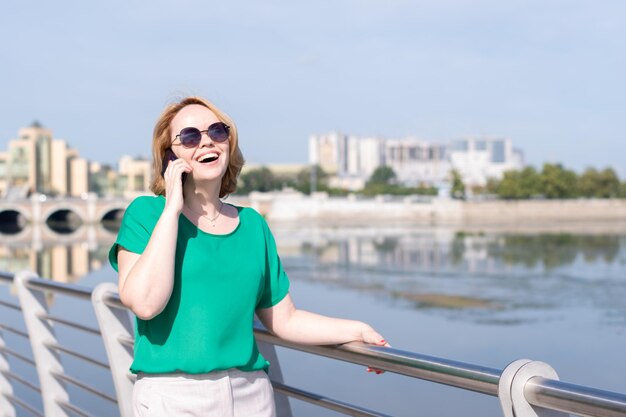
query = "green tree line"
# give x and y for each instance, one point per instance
(382, 181)
(556, 181)
(552, 182)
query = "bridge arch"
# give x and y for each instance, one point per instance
(64, 218)
(13, 220)
(111, 217)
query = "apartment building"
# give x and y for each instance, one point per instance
(350, 160)
(36, 162)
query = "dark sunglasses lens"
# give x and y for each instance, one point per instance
(190, 136)
(218, 132)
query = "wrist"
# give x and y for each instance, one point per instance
(170, 212)
(361, 329)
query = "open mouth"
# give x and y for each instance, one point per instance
(208, 158)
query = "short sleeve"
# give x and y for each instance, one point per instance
(276, 285)
(135, 230)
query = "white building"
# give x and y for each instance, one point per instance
(478, 159)
(417, 162)
(351, 160)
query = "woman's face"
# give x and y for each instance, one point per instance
(201, 118)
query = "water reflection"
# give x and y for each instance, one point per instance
(65, 253)
(497, 277)
(552, 251)
(473, 252)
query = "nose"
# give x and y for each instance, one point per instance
(205, 134)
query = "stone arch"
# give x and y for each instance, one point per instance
(13, 219)
(111, 218)
(63, 219)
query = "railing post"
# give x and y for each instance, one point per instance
(511, 389)
(115, 325)
(6, 389)
(268, 350)
(41, 334)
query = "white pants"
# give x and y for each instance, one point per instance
(230, 393)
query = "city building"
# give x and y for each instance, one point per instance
(417, 162)
(478, 159)
(134, 175)
(36, 162)
(351, 160)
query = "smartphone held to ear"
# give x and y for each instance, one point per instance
(170, 156)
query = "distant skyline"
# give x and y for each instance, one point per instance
(547, 75)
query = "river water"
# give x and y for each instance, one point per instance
(481, 296)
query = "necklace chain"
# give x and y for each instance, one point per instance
(207, 217)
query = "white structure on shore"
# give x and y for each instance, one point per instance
(478, 159)
(350, 160)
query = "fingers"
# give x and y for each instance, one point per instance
(175, 169)
(379, 342)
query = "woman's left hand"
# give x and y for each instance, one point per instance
(371, 336)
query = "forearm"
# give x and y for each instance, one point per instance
(148, 285)
(313, 329)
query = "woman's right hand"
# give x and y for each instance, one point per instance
(174, 184)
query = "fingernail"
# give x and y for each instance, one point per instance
(383, 341)
(379, 372)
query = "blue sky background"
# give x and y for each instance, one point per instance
(550, 75)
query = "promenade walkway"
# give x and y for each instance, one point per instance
(524, 388)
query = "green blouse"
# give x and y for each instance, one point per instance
(219, 282)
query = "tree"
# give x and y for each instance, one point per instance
(518, 184)
(587, 182)
(458, 187)
(303, 180)
(622, 190)
(608, 184)
(383, 175)
(558, 182)
(258, 179)
(381, 182)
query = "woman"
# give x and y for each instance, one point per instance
(195, 270)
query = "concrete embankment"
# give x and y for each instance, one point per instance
(320, 208)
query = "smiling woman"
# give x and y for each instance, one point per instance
(195, 270)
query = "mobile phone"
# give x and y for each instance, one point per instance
(170, 156)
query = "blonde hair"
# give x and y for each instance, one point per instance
(162, 138)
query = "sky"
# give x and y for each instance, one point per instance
(549, 75)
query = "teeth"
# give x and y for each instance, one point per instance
(207, 157)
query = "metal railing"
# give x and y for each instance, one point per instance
(524, 388)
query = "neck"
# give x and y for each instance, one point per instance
(203, 198)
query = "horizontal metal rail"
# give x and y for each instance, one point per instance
(126, 341)
(69, 323)
(17, 355)
(18, 401)
(73, 290)
(542, 392)
(14, 330)
(444, 371)
(12, 306)
(113, 300)
(325, 402)
(74, 409)
(575, 399)
(21, 380)
(6, 277)
(77, 355)
(84, 386)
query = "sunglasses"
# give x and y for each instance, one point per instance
(190, 136)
